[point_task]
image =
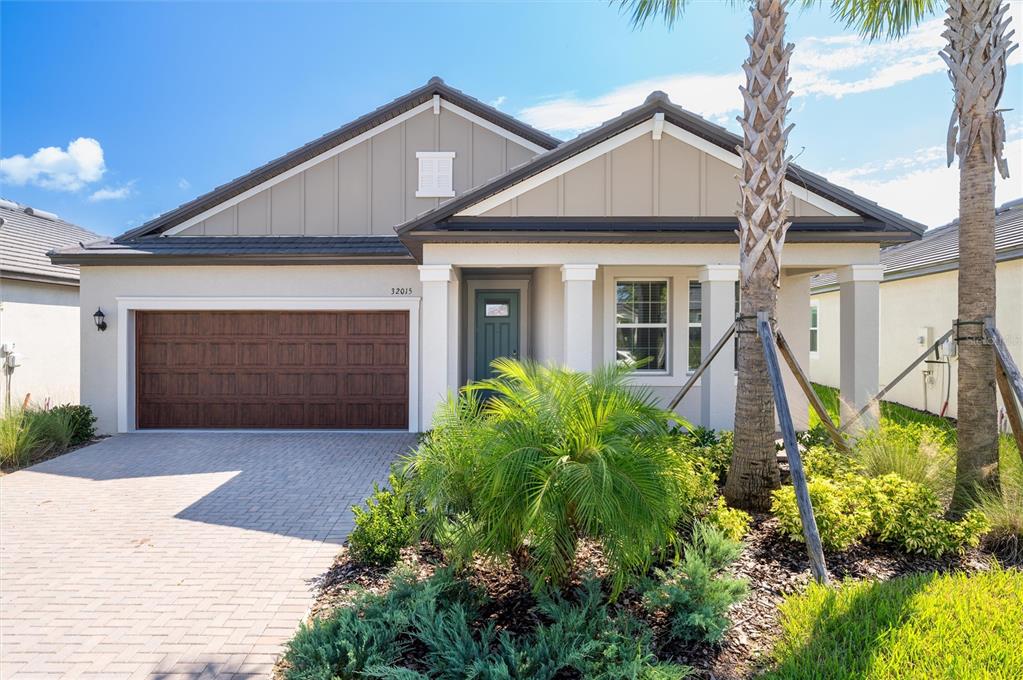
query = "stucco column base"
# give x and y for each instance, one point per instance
(859, 314)
(436, 279)
(578, 281)
(717, 384)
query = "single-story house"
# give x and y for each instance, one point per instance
(39, 319)
(918, 302)
(355, 281)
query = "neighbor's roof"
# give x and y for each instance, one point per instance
(421, 95)
(242, 250)
(436, 221)
(27, 234)
(938, 250)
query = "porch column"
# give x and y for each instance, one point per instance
(793, 316)
(717, 384)
(436, 279)
(578, 322)
(859, 332)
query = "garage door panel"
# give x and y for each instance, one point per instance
(224, 369)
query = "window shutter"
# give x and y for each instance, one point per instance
(436, 174)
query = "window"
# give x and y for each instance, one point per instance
(696, 325)
(641, 323)
(814, 327)
(435, 174)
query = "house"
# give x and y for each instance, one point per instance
(39, 319)
(918, 302)
(355, 281)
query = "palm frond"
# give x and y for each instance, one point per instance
(874, 19)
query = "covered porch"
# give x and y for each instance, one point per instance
(586, 305)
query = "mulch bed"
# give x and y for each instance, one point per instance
(773, 566)
(6, 469)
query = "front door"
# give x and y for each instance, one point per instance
(497, 328)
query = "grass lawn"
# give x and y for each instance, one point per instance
(923, 626)
(890, 411)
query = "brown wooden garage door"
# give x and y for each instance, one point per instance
(214, 369)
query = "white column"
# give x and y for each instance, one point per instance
(436, 279)
(793, 316)
(717, 384)
(578, 317)
(859, 314)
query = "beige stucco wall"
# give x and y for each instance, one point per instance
(370, 187)
(642, 177)
(907, 306)
(42, 321)
(102, 286)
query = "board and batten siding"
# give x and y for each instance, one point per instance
(369, 188)
(641, 178)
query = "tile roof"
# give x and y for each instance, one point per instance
(238, 249)
(939, 248)
(26, 238)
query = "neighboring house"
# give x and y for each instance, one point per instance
(354, 282)
(918, 302)
(39, 320)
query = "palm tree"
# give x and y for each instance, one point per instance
(763, 221)
(975, 52)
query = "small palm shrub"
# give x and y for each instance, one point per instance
(531, 461)
(387, 525)
(695, 594)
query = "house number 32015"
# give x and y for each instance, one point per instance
(401, 291)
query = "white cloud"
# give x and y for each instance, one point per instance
(712, 96)
(112, 193)
(184, 184)
(497, 102)
(54, 168)
(923, 188)
(829, 66)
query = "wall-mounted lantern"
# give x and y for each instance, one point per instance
(101, 319)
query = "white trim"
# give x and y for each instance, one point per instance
(816, 304)
(435, 154)
(436, 104)
(126, 306)
(474, 286)
(492, 127)
(860, 273)
(658, 126)
(557, 170)
(578, 272)
(719, 272)
(435, 273)
(302, 167)
(624, 137)
(732, 159)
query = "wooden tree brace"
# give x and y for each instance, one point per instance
(815, 401)
(898, 379)
(1010, 382)
(788, 432)
(701, 368)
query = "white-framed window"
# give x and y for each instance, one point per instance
(815, 321)
(436, 171)
(641, 323)
(696, 325)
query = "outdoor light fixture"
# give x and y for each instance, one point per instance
(101, 319)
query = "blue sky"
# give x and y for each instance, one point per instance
(112, 113)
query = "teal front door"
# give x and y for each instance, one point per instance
(497, 328)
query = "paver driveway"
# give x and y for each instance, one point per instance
(174, 555)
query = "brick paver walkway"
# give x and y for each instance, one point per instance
(174, 555)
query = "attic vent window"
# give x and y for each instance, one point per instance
(435, 174)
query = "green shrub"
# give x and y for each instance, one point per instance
(387, 525)
(731, 522)
(824, 461)
(550, 457)
(713, 450)
(843, 517)
(815, 436)
(19, 440)
(694, 593)
(1004, 511)
(911, 628)
(81, 422)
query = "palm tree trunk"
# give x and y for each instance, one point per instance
(763, 221)
(975, 54)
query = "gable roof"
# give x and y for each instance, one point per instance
(360, 125)
(657, 102)
(938, 250)
(26, 235)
